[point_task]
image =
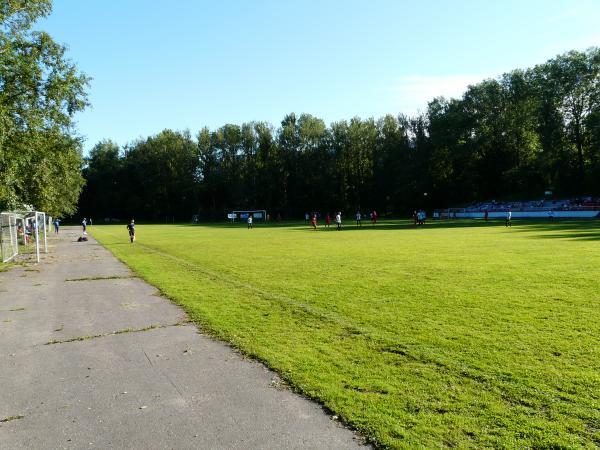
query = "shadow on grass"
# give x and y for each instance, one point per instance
(583, 230)
(567, 229)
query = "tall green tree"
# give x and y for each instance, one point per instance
(311, 178)
(392, 170)
(249, 167)
(40, 91)
(104, 176)
(160, 176)
(569, 89)
(227, 143)
(268, 167)
(593, 125)
(209, 174)
(522, 142)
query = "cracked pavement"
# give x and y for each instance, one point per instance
(125, 368)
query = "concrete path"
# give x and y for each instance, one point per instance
(92, 357)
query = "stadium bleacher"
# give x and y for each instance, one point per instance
(583, 207)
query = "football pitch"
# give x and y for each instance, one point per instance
(461, 333)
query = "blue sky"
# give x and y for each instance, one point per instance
(194, 63)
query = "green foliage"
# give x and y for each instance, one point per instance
(419, 337)
(154, 177)
(40, 91)
(103, 174)
(18, 15)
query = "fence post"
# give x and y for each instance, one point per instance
(37, 238)
(45, 235)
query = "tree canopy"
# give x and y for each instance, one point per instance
(40, 91)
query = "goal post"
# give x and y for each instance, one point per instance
(39, 226)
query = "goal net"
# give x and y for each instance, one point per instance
(9, 246)
(32, 229)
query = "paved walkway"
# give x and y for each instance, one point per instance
(92, 357)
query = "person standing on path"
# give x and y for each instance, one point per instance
(131, 229)
(338, 220)
(56, 225)
(84, 224)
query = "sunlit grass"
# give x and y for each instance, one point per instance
(455, 334)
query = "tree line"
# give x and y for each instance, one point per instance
(515, 136)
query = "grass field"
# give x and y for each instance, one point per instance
(456, 334)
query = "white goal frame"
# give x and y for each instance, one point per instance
(35, 230)
(40, 221)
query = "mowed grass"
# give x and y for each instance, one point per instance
(455, 334)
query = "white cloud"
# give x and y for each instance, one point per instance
(410, 94)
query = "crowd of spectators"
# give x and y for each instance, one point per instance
(574, 204)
